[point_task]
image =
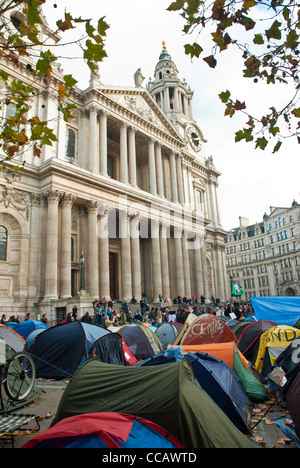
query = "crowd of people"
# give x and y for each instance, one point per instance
(105, 313)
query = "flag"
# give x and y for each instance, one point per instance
(236, 290)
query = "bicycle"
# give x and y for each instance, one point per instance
(17, 376)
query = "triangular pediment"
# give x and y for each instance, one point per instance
(276, 211)
(140, 102)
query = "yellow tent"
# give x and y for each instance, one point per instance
(272, 343)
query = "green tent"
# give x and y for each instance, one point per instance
(166, 395)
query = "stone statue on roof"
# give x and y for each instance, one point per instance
(138, 78)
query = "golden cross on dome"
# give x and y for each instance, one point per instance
(164, 45)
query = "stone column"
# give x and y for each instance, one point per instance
(159, 170)
(179, 179)
(103, 143)
(34, 274)
(156, 261)
(65, 253)
(51, 262)
(135, 256)
(126, 280)
(152, 170)
(198, 272)
(179, 261)
(165, 261)
(206, 292)
(186, 266)
(92, 276)
(132, 157)
(103, 235)
(173, 178)
(93, 155)
(123, 154)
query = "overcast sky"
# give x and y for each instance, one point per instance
(252, 180)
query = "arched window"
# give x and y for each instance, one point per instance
(3, 244)
(71, 143)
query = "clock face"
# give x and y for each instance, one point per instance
(194, 138)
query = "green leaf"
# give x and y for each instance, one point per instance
(296, 112)
(261, 143)
(245, 134)
(224, 96)
(277, 146)
(292, 40)
(102, 26)
(274, 31)
(258, 39)
(70, 82)
(194, 50)
(175, 6)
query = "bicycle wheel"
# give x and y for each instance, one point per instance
(19, 376)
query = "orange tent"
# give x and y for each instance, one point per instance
(207, 329)
(223, 351)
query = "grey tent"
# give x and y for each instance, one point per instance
(166, 395)
(167, 332)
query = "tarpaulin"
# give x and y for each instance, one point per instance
(284, 310)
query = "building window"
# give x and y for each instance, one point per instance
(71, 143)
(3, 244)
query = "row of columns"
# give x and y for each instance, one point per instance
(128, 174)
(98, 246)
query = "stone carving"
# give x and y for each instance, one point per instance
(138, 78)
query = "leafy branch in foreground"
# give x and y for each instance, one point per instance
(22, 44)
(270, 54)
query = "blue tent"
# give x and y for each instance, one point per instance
(284, 310)
(60, 350)
(218, 380)
(25, 328)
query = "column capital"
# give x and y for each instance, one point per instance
(92, 206)
(67, 199)
(93, 107)
(52, 195)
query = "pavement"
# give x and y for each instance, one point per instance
(266, 432)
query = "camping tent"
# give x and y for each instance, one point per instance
(25, 328)
(166, 395)
(104, 430)
(284, 310)
(141, 341)
(251, 334)
(208, 328)
(31, 337)
(271, 344)
(217, 379)
(13, 339)
(167, 332)
(224, 351)
(229, 353)
(59, 350)
(238, 328)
